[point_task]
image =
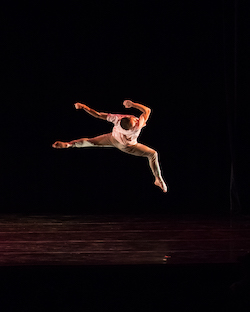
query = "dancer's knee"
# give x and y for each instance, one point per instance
(85, 142)
(91, 142)
(152, 155)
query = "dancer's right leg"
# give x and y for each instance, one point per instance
(104, 140)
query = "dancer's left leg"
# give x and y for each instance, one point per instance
(145, 151)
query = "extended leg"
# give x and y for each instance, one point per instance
(152, 155)
(101, 141)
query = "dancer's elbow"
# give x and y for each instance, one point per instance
(103, 116)
(147, 113)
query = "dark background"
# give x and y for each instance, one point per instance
(187, 60)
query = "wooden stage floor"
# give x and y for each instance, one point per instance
(118, 263)
(121, 240)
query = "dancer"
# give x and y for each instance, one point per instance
(124, 137)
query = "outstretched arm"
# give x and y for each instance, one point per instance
(91, 111)
(144, 109)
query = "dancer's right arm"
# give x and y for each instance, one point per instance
(91, 111)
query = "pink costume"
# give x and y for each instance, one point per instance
(125, 137)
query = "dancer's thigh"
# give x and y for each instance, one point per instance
(139, 150)
(102, 140)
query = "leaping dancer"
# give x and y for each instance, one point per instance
(124, 137)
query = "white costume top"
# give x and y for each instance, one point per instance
(125, 137)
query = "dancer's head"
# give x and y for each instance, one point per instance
(128, 123)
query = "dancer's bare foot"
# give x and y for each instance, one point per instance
(161, 184)
(59, 144)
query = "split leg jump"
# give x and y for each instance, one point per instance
(107, 140)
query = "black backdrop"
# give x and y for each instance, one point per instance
(187, 60)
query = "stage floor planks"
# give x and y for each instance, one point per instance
(121, 239)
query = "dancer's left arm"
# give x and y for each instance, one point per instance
(91, 111)
(146, 111)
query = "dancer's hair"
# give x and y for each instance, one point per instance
(126, 123)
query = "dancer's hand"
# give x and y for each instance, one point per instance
(80, 106)
(128, 103)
